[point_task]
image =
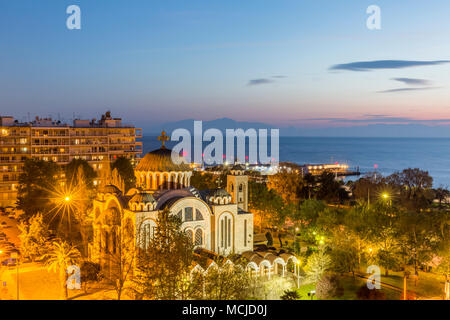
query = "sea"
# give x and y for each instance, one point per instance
(383, 155)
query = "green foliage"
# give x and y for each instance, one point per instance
(329, 287)
(36, 183)
(205, 180)
(364, 293)
(72, 169)
(318, 263)
(163, 268)
(290, 295)
(33, 237)
(61, 256)
(126, 171)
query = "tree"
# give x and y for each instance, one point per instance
(329, 286)
(418, 237)
(39, 177)
(121, 258)
(318, 263)
(267, 204)
(33, 237)
(82, 198)
(164, 265)
(61, 256)
(126, 171)
(223, 282)
(71, 171)
(287, 184)
(330, 189)
(413, 187)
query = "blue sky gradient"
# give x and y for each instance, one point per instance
(154, 61)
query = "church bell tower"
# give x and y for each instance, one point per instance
(237, 186)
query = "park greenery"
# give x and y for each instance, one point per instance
(398, 222)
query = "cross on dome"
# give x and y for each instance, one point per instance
(163, 138)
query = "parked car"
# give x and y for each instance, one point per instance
(11, 216)
(3, 224)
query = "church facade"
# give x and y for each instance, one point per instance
(216, 220)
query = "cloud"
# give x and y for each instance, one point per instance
(412, 81)
(279, 77)
(406, 89)
(379, 119)
(384, 64)
(256, 82)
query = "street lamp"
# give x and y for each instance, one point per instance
(67, 199)
(298, 274)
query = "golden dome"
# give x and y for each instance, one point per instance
(161, 160)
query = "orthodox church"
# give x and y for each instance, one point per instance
(216, 220)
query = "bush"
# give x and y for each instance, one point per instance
(290, 295)
(329, 287)
(364, 293)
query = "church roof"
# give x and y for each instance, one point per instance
(142, 198)
(161, 160)
(219, 192)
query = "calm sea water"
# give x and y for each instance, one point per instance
(390, 154)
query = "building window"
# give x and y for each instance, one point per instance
(245, 233)
(188, 214)
(198, 237)
(198, 215)
(190, 235)
(241, 187)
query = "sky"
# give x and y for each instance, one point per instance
(294, 63)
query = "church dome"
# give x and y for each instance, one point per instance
(161, 160)
(218, 196)
(142, 198)
(142, 201)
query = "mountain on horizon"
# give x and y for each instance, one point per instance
(363, 131)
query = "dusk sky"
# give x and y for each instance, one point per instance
(285, 62)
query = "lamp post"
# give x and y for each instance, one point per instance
(298, 274)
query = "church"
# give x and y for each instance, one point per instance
(216, 220)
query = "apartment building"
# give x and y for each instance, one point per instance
(50, 140)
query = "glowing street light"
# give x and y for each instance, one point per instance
(67, 199)
(385, 195)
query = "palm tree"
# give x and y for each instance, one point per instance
(62, 255)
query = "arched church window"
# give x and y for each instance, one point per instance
(241, 187)
(198, 237)
(190, 235)
(188, 214)
(198, 215)
(146, 236)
